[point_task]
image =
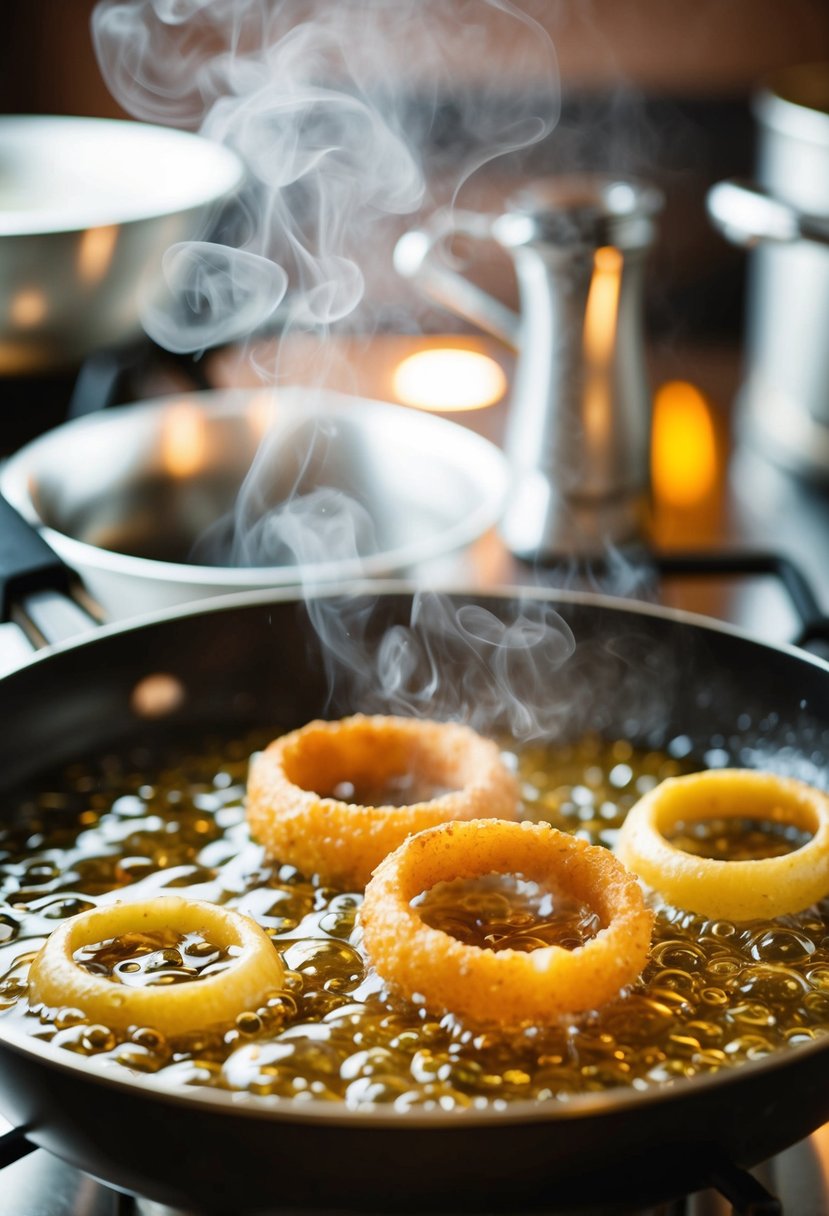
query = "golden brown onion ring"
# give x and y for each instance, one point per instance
(57, 980)
(508, 987)
(729, 890)
(293, 810)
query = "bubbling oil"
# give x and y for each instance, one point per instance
(156, 958)
(714, 994)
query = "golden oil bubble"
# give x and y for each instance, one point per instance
(98, 1038)
(751, 1014)
(382, 1090)
(370, 1062)
(751, 1046)
(715, 997)
(724, 967)
(248, 1023)
(706, 1032)
(64, 1018)
(818, 977)
(425, 1065)
(710, 1060)
(683, 1045)
(72, 1038)
(773, 985)
(680, 956)
(781, 945)
(816, 1005)
(136, 1058)
(146, 1036)
(680, 982)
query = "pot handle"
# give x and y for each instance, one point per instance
(417, 257)
(813, 632)
(746, 215)
(38, 593)
(27, 563)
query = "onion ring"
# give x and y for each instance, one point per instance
(509, 987)
(729, 890)
(292, 808)
(57, 980)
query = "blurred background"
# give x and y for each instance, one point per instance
(648, 88)
(659, 91)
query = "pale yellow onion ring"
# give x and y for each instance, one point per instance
(729, 890)
(291, 811)
(57, 980)
(508, 987)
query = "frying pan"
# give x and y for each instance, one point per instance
(636, 670)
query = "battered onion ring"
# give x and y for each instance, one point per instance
(57, 980)
(292, 812)
(508, 987)
(729, 890)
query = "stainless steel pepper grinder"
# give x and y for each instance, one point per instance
(578, 434)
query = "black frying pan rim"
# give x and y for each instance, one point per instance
(386, 588)
(276, 1109)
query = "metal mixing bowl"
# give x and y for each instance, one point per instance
(87, 208)
(210, 493)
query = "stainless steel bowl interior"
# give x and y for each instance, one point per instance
(88, 207)
(239, 488)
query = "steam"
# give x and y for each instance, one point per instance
(319, 101)
(493, 670)
(334, 106)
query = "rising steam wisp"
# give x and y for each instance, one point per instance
(331, 104)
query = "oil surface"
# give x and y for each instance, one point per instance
(713, 994)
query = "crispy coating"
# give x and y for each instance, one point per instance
(293, 810)
(510, 988)
(57, 980)
(729, 890)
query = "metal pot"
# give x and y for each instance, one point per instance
(784, 219)
(153, 504)
(578, 435)
(87, 208)
(645, 673)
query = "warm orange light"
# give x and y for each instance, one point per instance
(448, 380)
(599, 340)
(28, 308)
(261, 412)
(183, 440)
(602, 305)
(684, 445)
(95, 251)
(819, 1142)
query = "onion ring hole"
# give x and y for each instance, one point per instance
(511, 987)
(742, 889)
(335, 798)
(64, 975)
